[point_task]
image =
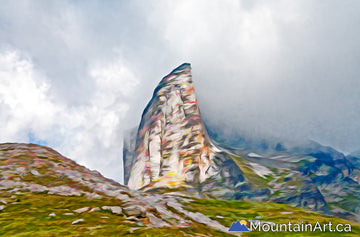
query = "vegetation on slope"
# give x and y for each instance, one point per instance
(32, 214)
(227, 212)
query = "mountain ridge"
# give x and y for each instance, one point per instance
(35, 175)
(45, 194)
(311, 176)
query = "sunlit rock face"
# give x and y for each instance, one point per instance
(172, 146)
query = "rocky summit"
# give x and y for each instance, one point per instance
(172, 146)
(171, 149)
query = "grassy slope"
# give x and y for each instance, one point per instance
(249, 173)
(244, 210)
(28, 215)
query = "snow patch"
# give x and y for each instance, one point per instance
(260, 170)
(252, 154)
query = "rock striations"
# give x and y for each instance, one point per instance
(172, 145)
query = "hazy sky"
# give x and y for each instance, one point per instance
(75, 74)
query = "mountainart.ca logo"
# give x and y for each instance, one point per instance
(262, 226)
(239, 226)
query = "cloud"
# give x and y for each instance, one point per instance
(77, 75)
(114, 78)
(87, 133)
(23, 99)
(271, 68)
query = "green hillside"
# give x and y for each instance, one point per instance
(45, 194)
(28, 215)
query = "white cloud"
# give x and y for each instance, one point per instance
(90, 134)
(114, 78)
(23, 99)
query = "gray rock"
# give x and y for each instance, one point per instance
(135, 210)
(52, 214)
(94, 227)
(114, 209)
(132, 218)
(35, 172)
(157, 222)
(77, 221)
(131, 230)
(196, 216)
(95, 209)
(2, 207)
(36, 188)
(81, 210)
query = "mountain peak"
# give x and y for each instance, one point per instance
(172, 149)
(172, 145)
(184, 68)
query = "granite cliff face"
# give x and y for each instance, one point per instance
(172, 145)
(172, 149)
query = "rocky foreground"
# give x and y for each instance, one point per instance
(43, 193)
(31, 169)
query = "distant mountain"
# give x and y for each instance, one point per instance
(172, 149)
(354, 157)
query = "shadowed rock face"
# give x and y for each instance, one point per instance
(128, 152)
(172, 146)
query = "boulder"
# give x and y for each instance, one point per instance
(35, 172)
(114, 209)
(81, 210)
(135, 210)
(95, 209)
(77, 221)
